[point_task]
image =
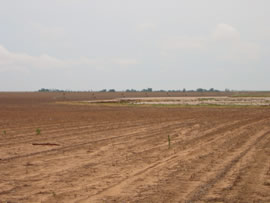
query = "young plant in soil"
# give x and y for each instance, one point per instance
(38, 131)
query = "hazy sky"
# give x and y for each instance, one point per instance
(172, 44)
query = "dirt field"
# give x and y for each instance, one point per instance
(99, 153)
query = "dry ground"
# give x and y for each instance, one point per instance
(198, 101)
(120, 153)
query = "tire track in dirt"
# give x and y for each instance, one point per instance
(175, 191)
(174, 159)
(201, 190)
(126, 181)
(247, 179)
(220, 129)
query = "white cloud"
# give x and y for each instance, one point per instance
(227, 44)
(225, 32)
(10, 60)
(224, 43)
(23, 62)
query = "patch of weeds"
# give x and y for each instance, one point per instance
(4, 132)
(38, 131)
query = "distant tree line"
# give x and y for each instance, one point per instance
(178, 90)
(143, 90)
(51, 90)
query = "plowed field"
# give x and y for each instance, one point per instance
(99, 153)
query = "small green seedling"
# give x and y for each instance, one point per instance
(38, 131)
(169, 141)
(4, 132)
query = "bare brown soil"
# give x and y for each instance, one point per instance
(120, 153)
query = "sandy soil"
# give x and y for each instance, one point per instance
(120, 153)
